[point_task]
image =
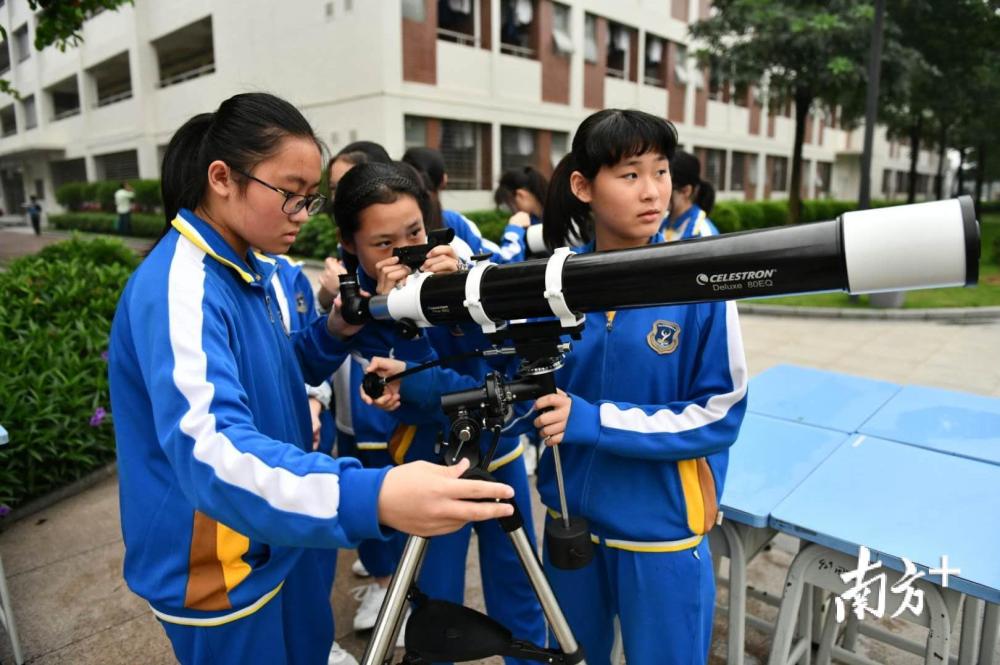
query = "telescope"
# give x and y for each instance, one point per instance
(923, 245)
(904, 247)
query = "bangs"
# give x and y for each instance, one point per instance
(622, 134)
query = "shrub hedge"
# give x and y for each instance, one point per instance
(55, 318)
(318, 238)
(100, 195)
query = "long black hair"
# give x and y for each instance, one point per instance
(527, 178)
(602, 139)
(685, 169)
(244, 131)
(367, 185)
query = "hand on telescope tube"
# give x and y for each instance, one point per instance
(521, 219)
(329, 282)
(551, 424)
(390, 399)
(441, 259)
(427, 499)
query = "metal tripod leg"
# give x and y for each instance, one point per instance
(546, 597)
(390, 615)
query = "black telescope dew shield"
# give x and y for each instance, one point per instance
(924, 245)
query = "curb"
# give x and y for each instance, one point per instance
(953, 314)
(54, 497)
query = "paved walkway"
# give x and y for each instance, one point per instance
(64, 563)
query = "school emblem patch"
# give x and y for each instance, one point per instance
(300, 302)
(664, 337)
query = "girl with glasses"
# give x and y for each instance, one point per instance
(228, 520)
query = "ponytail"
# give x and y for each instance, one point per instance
(705, 197)
(565, 215)
(183, 184)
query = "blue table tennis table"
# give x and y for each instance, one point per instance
(794, 460)
(796, 417)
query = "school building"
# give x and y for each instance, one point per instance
(492, 83)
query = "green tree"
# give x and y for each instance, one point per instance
(808, 51)
(58, 23)
(947, 86)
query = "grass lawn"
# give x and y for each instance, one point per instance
(987, 293)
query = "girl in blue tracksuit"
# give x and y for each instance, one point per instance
(377, 208)
(649, 402)
(228, 520)
(691, 202)
(523, 192)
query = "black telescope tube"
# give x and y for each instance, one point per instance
(923, 245)
(796, 259)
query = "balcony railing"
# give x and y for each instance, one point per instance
(463, 38)
(519, 51)
(111, 99)
(187, 75)
(66, 113)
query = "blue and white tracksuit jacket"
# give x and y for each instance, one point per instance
(512, 247)
(658, 396)
(218, 494)
(692, 224)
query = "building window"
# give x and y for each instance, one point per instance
(112, 79)
(560, 146)
(681, 65)
(902, 181)
(743, 172)
(517, 19)
(886, 182)
(414, 131)
(118, 165)
(518, 147)
(714, 168)
(186, 53)
(824, 171)
(656, 54)
(716, 82)
(70, 170)
(779, 174)
(463, 156)
(65, 98)
(561, 38)
(22, 47)
(30, 112)
(413, 10)
(457, 21)
(590, 38)
(8, 121)
(619, 50)
(4, 57)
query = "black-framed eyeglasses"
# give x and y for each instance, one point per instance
(312, 203)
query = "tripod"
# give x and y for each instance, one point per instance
(443, 631)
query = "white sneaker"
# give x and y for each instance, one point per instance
(371, 597)
(338, 656)
(359, 569)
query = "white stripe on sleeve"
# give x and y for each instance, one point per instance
(693, 416)
(314, 495)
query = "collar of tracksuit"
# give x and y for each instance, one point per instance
(655, 239)
(250, 269)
